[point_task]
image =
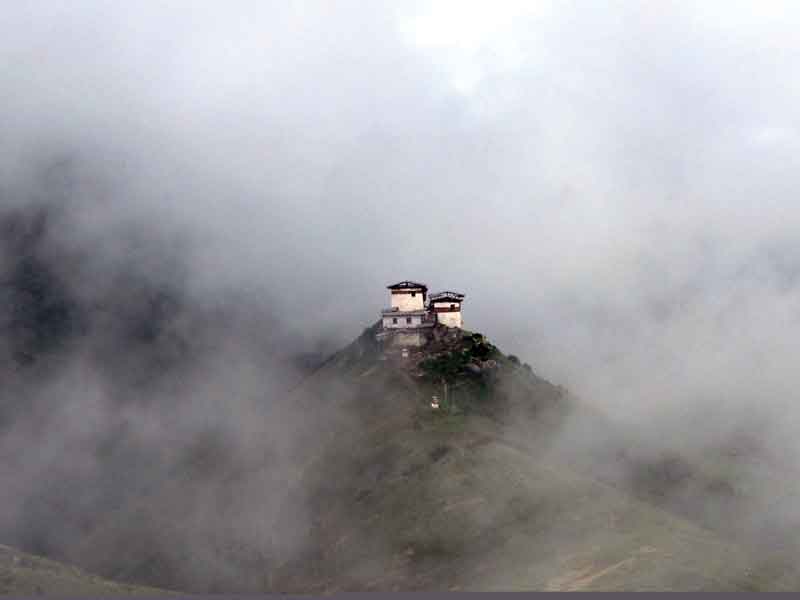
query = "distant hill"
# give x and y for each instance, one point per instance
(28, 575)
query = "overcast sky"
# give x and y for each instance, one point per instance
(612, 184)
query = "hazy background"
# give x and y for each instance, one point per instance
(613, 185)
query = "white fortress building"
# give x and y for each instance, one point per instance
(412, 312)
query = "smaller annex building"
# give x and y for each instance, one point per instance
(446, 306)
(412, 312)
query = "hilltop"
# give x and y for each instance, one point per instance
(474, 496)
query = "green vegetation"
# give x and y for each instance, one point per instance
(469, 369)
(464, 358)
(446, 366)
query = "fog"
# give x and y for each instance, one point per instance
(611, 185)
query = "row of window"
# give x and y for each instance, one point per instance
(408, 319)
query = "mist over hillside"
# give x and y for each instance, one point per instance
(200, 206)
(115, 375)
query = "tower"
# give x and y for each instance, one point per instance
(407, 316)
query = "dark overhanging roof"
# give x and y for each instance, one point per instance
(407, 285)
(446, 296)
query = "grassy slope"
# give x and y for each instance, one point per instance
(402, 498)
(24, 574)
(415, 500)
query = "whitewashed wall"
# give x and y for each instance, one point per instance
(388, 321)
(449, 319)
(408, 302)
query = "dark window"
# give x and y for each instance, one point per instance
(413, 294)
(408, 319)
(452, 306)
(394, 320)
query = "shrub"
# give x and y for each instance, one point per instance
(447, 365)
